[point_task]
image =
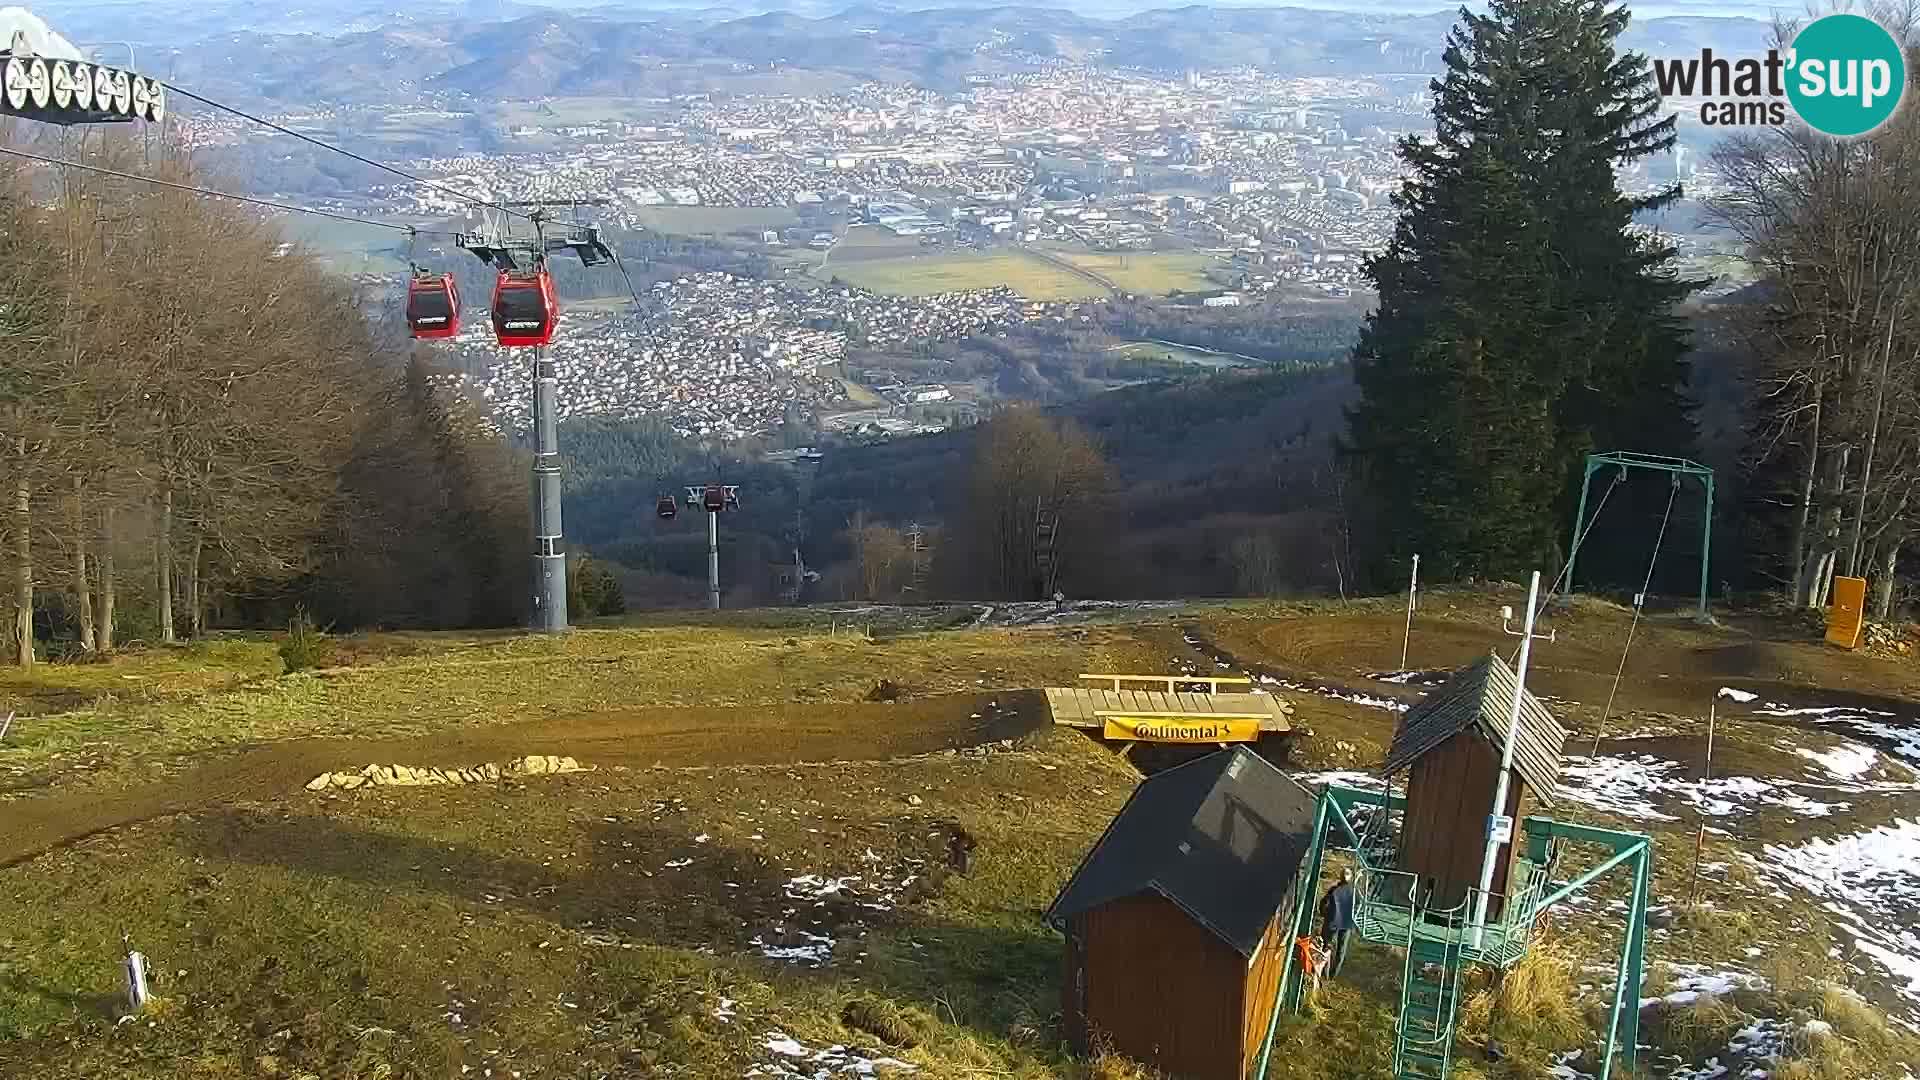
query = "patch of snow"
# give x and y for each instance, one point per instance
(1412, 678)
(1691, 982)
(1904, 740)
(814, 950)
(782, 1044)
(1741, 696)
(1848, 762)
(1867, 882)
(724, 1010)
(1627, 785)
(796, 1060)
(1563, 1067)
(1343, 777)
(678, 864)
(1368, 700)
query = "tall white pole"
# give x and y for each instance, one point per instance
(1497, 837)
(1413, 586)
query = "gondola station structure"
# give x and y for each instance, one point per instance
(45, 78)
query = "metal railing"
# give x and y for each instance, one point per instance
(1388, 910)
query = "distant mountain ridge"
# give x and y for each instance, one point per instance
(505, 50)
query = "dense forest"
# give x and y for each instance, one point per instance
(238, 443)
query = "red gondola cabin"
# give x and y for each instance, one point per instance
(665, 508)
(714, 499)
(525, 310)
(433, 306)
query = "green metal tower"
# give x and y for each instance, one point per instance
(1439, 945)
(1624, 460)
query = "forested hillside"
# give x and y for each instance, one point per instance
(200, 428)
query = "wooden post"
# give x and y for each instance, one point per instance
(1700, 837)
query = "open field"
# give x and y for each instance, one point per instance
(1162, 352)
(752, 870)
(347, 247)
(921, 275)
(559, 111)
(1154, 273)
(714, 220)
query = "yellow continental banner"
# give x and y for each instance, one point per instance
(1177, 730)
(1847, 616)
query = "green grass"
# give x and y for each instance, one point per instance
(535, 925)
(715, 220)
(922, 275)
(145, 710)
(1154, 352)
(1151, 273)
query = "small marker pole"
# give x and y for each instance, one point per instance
(1700, 837)
(5, 724)
(1413, 588)
(136, 975)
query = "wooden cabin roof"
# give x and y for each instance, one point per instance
(1480, 697)
(1221, 837)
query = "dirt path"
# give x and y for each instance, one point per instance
(637, 738)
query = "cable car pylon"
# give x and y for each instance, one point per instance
(525, 314)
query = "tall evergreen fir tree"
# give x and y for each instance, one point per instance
(1521, 321)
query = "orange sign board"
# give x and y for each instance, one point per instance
(1171, 729)
(1847, 617)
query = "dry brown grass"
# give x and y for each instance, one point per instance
(1694, 1031)
(1531, 1013)
(1857, 1042)
(1107, 1065)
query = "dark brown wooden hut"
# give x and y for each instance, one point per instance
(1176, 921)
(1450, 745)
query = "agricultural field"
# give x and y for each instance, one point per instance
(563, 111)
(747, 873)
(1150, 273)
(922, 275)
(714, 220)
(346, 247)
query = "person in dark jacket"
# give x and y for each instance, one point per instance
(1336, 922)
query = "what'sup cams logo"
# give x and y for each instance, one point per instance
(1844, 75)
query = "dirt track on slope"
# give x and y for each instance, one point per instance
(636, 738)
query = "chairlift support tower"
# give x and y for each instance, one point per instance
(499, 245)
(715, 499)
(1678, 468)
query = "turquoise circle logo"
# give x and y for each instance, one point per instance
(1846, 75)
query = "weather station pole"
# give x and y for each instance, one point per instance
(549, 557)
(1499, 825)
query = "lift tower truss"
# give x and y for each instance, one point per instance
(499, 244)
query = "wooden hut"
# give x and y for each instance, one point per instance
(1450, 745)
(1176, 921)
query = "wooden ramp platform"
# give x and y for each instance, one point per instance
(1082, 707)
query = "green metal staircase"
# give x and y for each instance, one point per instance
(1437, 946)
(1429, 1002)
